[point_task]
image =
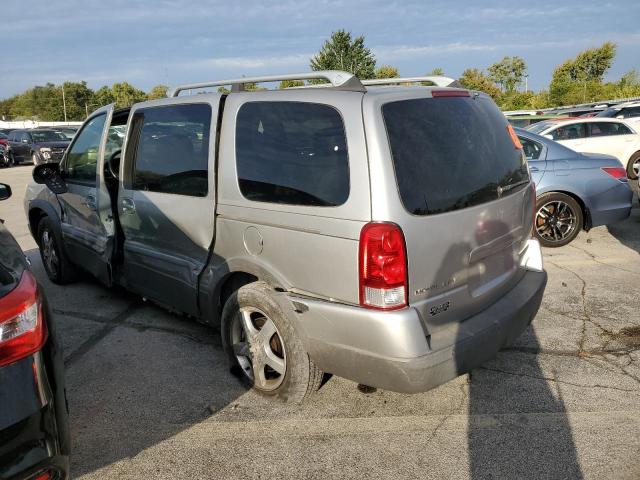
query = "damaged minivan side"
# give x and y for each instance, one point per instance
(377, 232)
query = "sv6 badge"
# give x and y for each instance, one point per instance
(439, 308)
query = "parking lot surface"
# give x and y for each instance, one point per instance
(151, 395)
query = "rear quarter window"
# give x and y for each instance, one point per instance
(292, 153)
(451, 153)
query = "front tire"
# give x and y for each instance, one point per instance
(558, 219)
(263, 347)
(633, 167)
(58, 267)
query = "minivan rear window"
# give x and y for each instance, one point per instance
(451, 153)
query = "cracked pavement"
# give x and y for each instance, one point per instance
(151, 395)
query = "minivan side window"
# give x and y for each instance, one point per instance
(292, 153)
(82, 159)
(171, 145)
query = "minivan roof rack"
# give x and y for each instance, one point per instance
(338, 79)
(438, 80)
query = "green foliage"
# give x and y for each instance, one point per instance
(126, 94)
(290, 83)
(508, 73)
(475, 79)
(436, 72)
(579, 79)
(386, 71)
(159, 91)
(340, 52)
(103, 96)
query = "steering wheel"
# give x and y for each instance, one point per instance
(113, 164)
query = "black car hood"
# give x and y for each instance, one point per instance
(12, 261)
(58, 144)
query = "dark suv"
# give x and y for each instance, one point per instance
(37, 145)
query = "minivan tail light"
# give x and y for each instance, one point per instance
(383, 267)
(22, 328)
(618, 173)
(450, 93)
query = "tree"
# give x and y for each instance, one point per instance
(159, 91)
(508, 73)
(342, 53)
(475, 79)
(290, 83)
(103, 96)
(78, 98)
(126, 94)
(578, 79)
(436, 72)
(386, 71)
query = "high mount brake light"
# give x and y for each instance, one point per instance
(618, 173)
(450, 93)
(383, 267)
(22, 328)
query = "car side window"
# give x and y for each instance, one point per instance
(82, 159)
(570, 132)
(532, 150)
(25, 137)
(171, 145)
(292, 153)
(605, 129)
(630, 112)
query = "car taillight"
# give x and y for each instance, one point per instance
(22, 328)
(383, 267)
(618, 173)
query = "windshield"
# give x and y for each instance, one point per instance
(47, 136)
(451, 153)
(609, 112)
(540, 126)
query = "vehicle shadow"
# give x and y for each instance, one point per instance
(517, 425)
(627, 232)
(136, 375)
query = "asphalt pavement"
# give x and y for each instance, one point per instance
(151, 395)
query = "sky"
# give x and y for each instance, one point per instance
(150, 42)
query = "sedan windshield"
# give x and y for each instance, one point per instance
(47, 136)
(539, 127)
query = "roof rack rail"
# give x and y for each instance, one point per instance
(337, 79)
(438, 80)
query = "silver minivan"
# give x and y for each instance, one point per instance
(373, 230)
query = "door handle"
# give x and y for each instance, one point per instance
(127, 206)
(90, 202)
(533, 169)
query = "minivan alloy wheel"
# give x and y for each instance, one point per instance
(259, 348)
(555, 221)
(49, 252)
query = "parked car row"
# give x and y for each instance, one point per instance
(597, 135)
(35, 145)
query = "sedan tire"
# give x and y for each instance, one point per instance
(633, 167)
(558, 219)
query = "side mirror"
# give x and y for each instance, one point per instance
(24, 140)
(5, 191)
(49, 174)
(549, 136)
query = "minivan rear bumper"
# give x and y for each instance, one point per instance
(390, 350)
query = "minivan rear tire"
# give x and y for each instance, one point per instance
(550, 201)
(257, 302)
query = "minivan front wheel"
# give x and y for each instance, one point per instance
(263, 347)
(558, 219)
(58, 267)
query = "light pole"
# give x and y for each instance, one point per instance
(526, 82)
(64, 104)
